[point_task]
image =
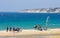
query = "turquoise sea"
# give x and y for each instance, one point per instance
(28, 20)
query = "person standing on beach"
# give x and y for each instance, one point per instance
(13, 28)
(10, 29)
(7, 29)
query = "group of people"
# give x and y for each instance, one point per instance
(39, 27)
(12, 29)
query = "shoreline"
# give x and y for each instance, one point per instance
(26, 32)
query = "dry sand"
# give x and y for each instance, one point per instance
(50, 33)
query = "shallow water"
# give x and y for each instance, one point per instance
(28, 20)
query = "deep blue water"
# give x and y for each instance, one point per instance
(28, 20)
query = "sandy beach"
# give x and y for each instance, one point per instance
(31, 33)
